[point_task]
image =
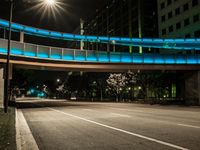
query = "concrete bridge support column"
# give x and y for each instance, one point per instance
(21, 37)
(192, 88)
(1, 87)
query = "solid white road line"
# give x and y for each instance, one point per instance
(190, 126)
(124, 131)
(26, 141)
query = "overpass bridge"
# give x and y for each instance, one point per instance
(44, 57)
(39, 56)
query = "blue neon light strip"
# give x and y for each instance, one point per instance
(104, 57)
(183, 44)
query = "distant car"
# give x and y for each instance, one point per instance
(73, 98)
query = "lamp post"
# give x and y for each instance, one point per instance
(47, 3)
(7, 71)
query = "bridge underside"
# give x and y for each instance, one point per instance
(45, 64)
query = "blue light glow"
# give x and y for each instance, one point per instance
(3, 50)
(43, 32)
(91, 37)
(16, 52)
(169, 59)
(65, 35)
(17, 26)
(183, 44)
(137, 59)
(30, 29)
(79, 37)
(68, 57)
(55, 56)
(30, 54)
(43, 55)
(56, 34)
(4, 23)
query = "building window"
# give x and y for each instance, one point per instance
(195, 3)
(196, 18)
(170, 15)
(163, 18)
(169, 2)
(177, 11)
(178, 25)
(185, 7)
(163, 31)
(187, 36)
(171, 29)
(197, 34)
(186, 22)
(162, 5)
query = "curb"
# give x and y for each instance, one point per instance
(24, 137)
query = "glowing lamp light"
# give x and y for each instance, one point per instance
(50, 2)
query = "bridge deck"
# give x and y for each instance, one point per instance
(60, 58)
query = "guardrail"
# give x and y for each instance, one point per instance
(65, 54)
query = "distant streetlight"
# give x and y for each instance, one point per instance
(58, 80)
(46, 3)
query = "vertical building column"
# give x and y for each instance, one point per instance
(139, 23)
(21, 37)
(82, 32)
(1, 87)
(192, 88)
(130, 23)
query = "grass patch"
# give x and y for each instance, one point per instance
(7, 130)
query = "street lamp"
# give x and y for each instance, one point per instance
(58, 80)
(50, 2)
(47, 3)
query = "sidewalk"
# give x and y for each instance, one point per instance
(7, 129)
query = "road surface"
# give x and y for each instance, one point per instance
(62, 125)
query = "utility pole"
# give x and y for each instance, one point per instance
(7, 71)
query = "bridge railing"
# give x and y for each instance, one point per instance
(172, 43)
(65, 54)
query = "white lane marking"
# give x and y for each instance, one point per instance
(124, 131)
(191, 126)
(88, 109)
(121, 115)
(27, 140)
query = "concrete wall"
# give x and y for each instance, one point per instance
(192, 88)
(1, 87)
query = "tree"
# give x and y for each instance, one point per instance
(116, 83)
(131, 80)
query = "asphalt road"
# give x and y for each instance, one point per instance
(62, 125)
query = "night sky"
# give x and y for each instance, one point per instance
(67, 21)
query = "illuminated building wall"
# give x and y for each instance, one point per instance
(125, 18)
(179, 19)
